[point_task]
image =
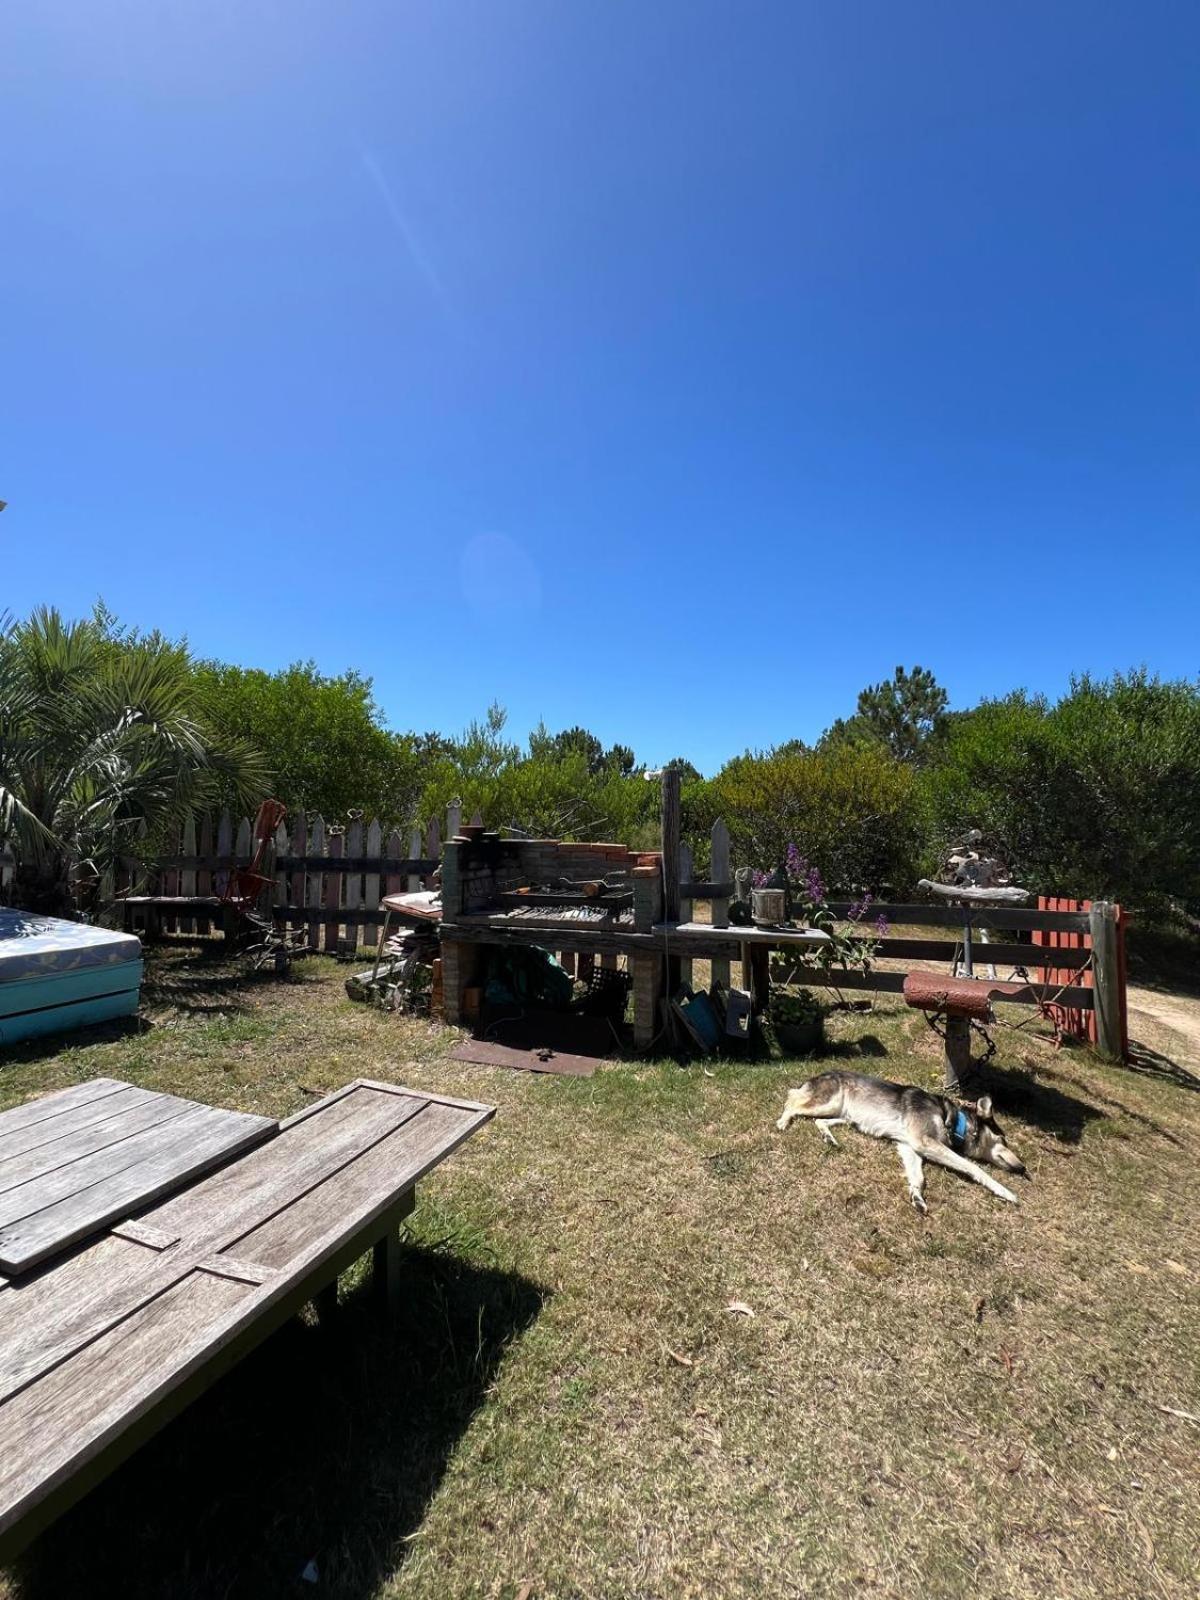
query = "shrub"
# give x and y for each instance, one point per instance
(851, 810)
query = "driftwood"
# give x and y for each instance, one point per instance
(973, 896)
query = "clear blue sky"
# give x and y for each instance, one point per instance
(672, 368)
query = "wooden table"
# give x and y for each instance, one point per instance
(100, 1348)
(74, 1161)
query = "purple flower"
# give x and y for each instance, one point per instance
(858, 910)
(758, 879)
(816, 888)
(797, 866)
(881, 926)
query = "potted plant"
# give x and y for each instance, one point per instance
(798, 1020)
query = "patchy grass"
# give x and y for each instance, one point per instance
(966, 1402)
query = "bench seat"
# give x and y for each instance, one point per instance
(100, 1348)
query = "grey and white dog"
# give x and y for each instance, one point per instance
(924, 1127)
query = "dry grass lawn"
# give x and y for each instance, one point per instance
(980, 1401)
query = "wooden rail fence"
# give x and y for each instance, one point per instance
(330, 881)
(1083, 987)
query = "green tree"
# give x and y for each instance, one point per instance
(323, 738)
(905, 713)
(544, 745)
(852, 811)
(1091, 797)
(104, 745)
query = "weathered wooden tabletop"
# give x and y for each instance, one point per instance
(109, 1341)
(74, 1161)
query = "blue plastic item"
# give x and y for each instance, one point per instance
(57, 975)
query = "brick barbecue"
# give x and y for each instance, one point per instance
(580, 900)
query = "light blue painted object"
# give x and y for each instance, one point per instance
(57, 975)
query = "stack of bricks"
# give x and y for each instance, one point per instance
(460, 964)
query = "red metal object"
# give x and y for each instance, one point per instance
(244, 884)
(956, 997)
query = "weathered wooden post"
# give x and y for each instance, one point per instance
(671, 824)
(719, 873)
(670, 844)
(1102, 919)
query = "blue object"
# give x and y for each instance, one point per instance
(958, 1134)
(57, 975)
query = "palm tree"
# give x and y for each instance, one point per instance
(102, 751)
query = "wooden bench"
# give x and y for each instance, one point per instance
(100, 1348)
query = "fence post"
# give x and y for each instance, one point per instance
(1103, 926)
(719, 872)
(685, 906)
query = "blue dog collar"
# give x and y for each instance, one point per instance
(958, 1133)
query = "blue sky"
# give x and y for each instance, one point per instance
(675, 369)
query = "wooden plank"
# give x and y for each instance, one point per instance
(393, 860)
(1016, 918)
(96, 1396)
(685, 905)
(415, 847)
(393, 1163)
(670, 818)
(81, 1198)
(228, 1203)
(187, 877)
(295, 866)
(352, 881)
(1015, 955)
(56, 1105)
(142, 1233)
(90, 1292)
(718, 867)
(312, 890)
(333, 895)
(150, 1112)
(372, 883)
(1107, 997)
(280, 895)
(224, 850)
(169, 879)
(453, 818)
(222, 1266)
(53, 1427)
(243, 845)
(204, 877)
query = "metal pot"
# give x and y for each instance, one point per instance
(769, 907)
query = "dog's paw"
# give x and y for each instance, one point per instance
(918, 1201)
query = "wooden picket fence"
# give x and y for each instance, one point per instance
(328, 880)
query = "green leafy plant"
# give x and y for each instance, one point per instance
(102, 748)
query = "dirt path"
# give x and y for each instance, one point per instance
(1170, 1023)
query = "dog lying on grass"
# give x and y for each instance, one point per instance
(924, 1127)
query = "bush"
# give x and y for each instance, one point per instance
(323, 738)
(851, 810)
(1092, 797)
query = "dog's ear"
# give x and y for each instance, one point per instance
(983, 1106)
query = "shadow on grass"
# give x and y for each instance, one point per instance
(45, 1046)
(870, 1046)
(322, 1446)
(198, 981)
(1023, 1093)
(1153, 1064)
